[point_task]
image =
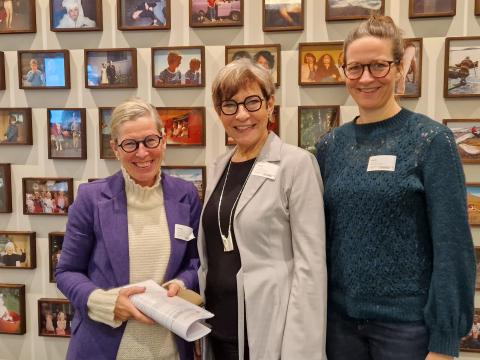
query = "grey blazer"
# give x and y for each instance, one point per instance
(280, 232)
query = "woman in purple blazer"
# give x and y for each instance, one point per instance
(132, 226)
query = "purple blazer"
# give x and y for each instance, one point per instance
(95, 255)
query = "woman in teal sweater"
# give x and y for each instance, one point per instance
(399, 249)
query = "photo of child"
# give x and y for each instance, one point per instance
(178, 67)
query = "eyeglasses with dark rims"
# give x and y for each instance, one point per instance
(378, 69)
(150, 142)
(251, 103)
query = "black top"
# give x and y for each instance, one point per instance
(221, 287)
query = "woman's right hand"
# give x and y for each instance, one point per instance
(124, 308)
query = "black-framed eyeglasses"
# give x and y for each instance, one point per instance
(378, 69)
(250, 103)
(150, 142)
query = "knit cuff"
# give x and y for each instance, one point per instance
(175, 281)
(101, 305)
(444, 343)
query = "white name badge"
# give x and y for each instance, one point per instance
(382, 163)
(265, 169)
(183, 232)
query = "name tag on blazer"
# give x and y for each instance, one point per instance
(184, 232)
(265, 169)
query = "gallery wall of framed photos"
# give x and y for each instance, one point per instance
(120, 51)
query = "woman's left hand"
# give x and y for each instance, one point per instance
(437, 356)
(173, 289)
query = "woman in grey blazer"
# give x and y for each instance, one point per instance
(262, 235)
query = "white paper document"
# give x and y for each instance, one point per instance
(174, 313)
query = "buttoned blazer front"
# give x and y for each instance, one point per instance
(95, 255)
(280, 233)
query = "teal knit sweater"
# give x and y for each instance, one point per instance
(399, 246)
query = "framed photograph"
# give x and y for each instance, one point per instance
(2, 71)
(462, 75)
(410, 84)
(183, 126)
(343, 10)
(105, 130)
(431, 8)
(194, 174)
(471, 342)
(314, 122)
(111, 68)
(473, 203)
(76, 15)
(5, 188)
(18, 17)
(477, 278)
(67, 133)
(18, 250)
(215, 13)
(320, 63)
(284, 15)
(55, 243)
(467, 138)
(44, 69)
(47, 196)
(15, 126)
(182, 66)
(55, 317)
(143, 15)
(12, 309)
(477, 7)
(273, 125)
(267, 55)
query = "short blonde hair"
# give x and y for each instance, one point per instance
(130, 110)
(236, 75)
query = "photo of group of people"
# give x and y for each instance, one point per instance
(55, 317)
(12, 309)
(268, 56)
(462, 75)
(194, 174)
(55, 243)
(321, 63)
(67, 134)
(314, 122)
(135, 14)
(216, 13)
(44, 69)
(75, 15)
(15, 126)
(17, 250)
(183, 126)
(283, 15)
(111, 68)
(17, 16)
(45, 196)
(178, 67)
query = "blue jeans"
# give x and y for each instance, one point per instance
(349, 338)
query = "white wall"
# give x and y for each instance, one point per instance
(28, 161)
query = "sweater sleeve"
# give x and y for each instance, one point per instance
(101, 304)
(449, 309)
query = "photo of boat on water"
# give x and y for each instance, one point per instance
(467, 137)
(463, 72)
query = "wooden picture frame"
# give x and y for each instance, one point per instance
(18, 250)
(110, 68)
(267, 55)
(473, 203)
(183, 126)
(439, 8)
(12, 302)
(288, 16)
(314, 122)
(131, 15)
(471, 342)
(5, 188)
(2, 71)
(178, 67)
(462, 72)
(55, 244)
(320, 63)
(225, 13)
(36, 198)
(55, 317)
(337, 10)
(84, 16)
(467, 137)
(410, 84)
(67, 133)
(477, 7)
(15, 126)
(195, 174)
(273, 125)
(44, 69)
(104, 132)
(477, 272)
(23, 18)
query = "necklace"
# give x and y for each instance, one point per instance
(227, 240)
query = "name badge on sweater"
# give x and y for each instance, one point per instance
(183, 232)
(265, 169)
(382, 163)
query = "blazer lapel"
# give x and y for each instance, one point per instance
(220, 165)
